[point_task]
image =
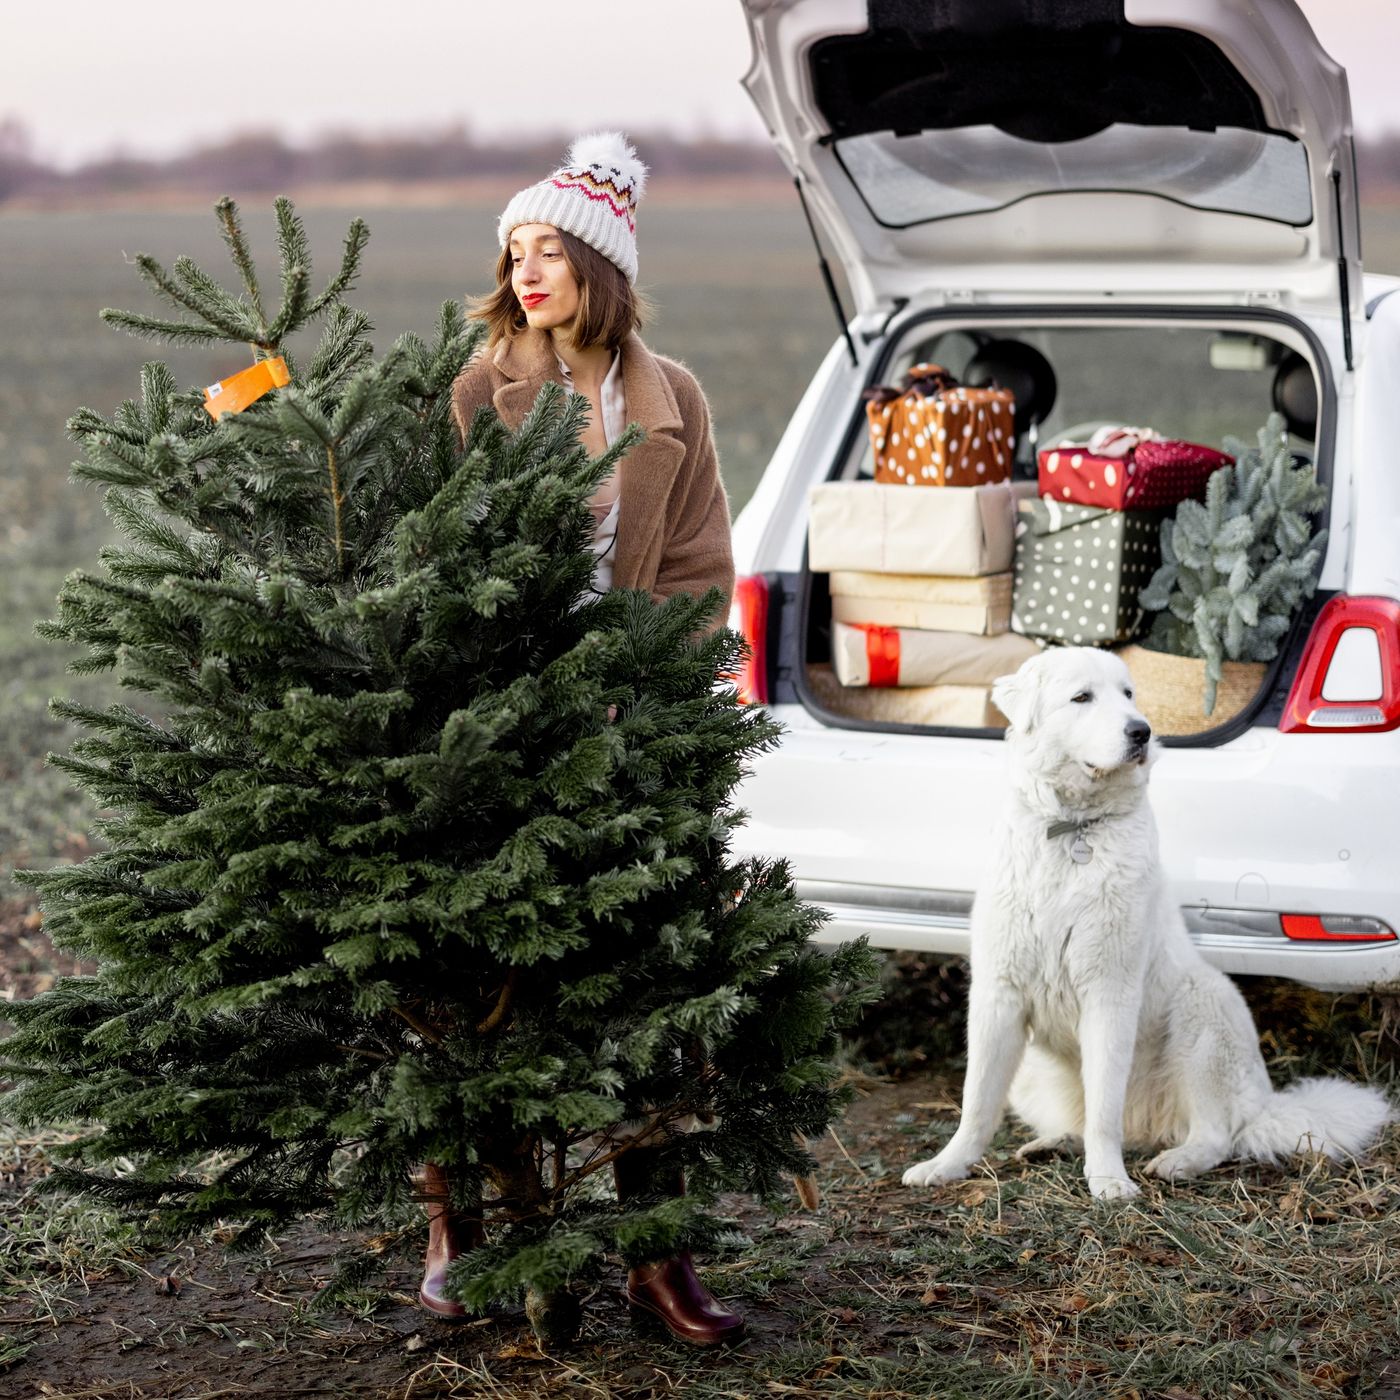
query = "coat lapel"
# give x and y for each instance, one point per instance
(647, 472)
(528, 363)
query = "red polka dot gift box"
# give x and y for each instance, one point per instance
(1079, 570)
(936, 432)
(1128, 469)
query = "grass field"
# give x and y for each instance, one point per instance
(737, 297)
(1252, 1283)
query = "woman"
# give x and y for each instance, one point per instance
(565, 309)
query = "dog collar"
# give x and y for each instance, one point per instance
(1080, 851)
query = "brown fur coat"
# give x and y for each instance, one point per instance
(673, 515)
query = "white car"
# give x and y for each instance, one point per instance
(1160, 197)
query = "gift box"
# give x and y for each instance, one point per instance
(1128, 469)
(1079, 570)
(935, 432)
(866, 654)
(961, 530)
(947, 706)
(981, 606)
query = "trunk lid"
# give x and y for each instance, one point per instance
(1182, 147)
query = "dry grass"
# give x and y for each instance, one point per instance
(1251, 1282)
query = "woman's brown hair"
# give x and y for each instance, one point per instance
(609, 307)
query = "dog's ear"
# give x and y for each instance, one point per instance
(1014, 696)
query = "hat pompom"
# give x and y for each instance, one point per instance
(612, 151)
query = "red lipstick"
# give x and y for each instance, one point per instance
(533, 299)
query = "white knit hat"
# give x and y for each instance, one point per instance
(593, 196)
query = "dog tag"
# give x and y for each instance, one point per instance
(1081, 852)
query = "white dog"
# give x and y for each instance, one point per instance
(1090, 1008)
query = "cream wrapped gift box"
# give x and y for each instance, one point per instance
(950, 706)
(960, 530)
(981, 606)
(903, 656)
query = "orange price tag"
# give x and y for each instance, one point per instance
(234, 394)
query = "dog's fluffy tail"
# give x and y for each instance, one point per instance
(1330, 1116)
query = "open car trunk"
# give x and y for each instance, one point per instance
(886, 647)
(950, 145)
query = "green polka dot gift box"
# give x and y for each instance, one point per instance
(1079, 569)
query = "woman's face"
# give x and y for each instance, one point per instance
(541, 278)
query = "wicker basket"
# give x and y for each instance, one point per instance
(1171, 689)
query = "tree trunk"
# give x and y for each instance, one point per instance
(555, 1316)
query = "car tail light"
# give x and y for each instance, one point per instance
(1336, 928)
(748, 614)
(1350, 676)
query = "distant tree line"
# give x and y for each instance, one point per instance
(257, 160)
(253, 161)
(1378, 163)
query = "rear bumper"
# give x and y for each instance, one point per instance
(1247, 942)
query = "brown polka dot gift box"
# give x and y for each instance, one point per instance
(936, 432)
(1128, 469)
(1079, 570)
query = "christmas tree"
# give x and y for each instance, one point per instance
(423, 858)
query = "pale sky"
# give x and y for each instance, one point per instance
(88, 77)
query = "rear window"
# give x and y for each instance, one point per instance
(929, 175)
(1184, 381)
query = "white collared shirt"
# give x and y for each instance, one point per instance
(614, 407)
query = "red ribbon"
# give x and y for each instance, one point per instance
(881, 652)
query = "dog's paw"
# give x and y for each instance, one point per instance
(1045, 1146)
(1113, 1188)
(1177, 1163)
(934, 1172)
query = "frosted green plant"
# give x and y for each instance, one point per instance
(1236, 569)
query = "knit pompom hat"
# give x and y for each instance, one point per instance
(593, 196)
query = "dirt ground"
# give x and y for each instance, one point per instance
(848, 1301)
(199, 1324)
(1252, 1282)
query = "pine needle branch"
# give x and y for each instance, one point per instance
(355, 239)
(233, 328)
(231, 226)
(152, 328)
(214, 303)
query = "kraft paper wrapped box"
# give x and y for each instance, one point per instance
(1079, 570)
(941, 706)
(962, 531)
(871, 655)
(981, 606)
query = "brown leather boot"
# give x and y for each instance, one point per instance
(450, 1235)
(667, 1290)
